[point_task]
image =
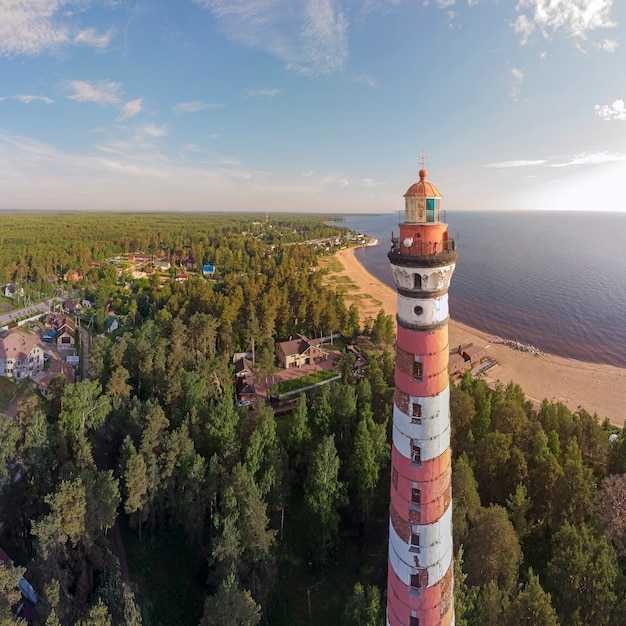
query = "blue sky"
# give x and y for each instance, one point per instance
(311, 105)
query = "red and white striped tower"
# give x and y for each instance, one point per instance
(420, 572)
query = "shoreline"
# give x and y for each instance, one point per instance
(598, 388)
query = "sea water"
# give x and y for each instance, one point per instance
(556, 280)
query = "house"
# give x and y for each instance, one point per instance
(20, 356)
(208, 270)
(244, 382)
(112, 323)
(63, 329)
(54, 321)
(456, 364)
(465, 357)
(360, 362)
(243, 367)
(72, 276)
(66, 336)
(13, 290)
(72, 308)
(299, 351)
(474, 354)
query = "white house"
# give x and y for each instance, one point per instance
(20, 355)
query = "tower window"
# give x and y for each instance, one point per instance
(417, 370)
(415, 540)
(417, 281)
(416, 453)
(432, 210)
(420, 579)
(418, 310)
(416, 410)
(414, 621)
(415, 495)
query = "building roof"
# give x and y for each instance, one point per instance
(298, 345)
(456, 362)
(71, 305)
(17, 346)
(423, 188)
(59, 322)
(472, 351)
(243, 365)
(245, 386)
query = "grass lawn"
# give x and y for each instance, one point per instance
(6, 304)
(331, 264)
(304, 381)
(338, 344)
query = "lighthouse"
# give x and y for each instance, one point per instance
(420, 568)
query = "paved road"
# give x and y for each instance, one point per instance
(27, 311)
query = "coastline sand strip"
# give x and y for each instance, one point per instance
(598, 388)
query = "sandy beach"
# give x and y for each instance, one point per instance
(600, 389)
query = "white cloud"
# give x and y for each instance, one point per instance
(103, 92)
(450, 14)
(194, 107)
(325, 39)
(27, 99)
(90, 37)
(576, 18)
(592, 158)
(615, 111)
(130, 109)
(230, 161)
(365, 79)
(152, 130)
(29, 27)
(130, 176)
(262, 93)
(442, 4)
(311, 36)
(517, 78)
(608, 45)
(308, 174)
(128, 141)
(518, 163)
(369, 182)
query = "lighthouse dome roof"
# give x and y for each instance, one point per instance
(423, 188)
